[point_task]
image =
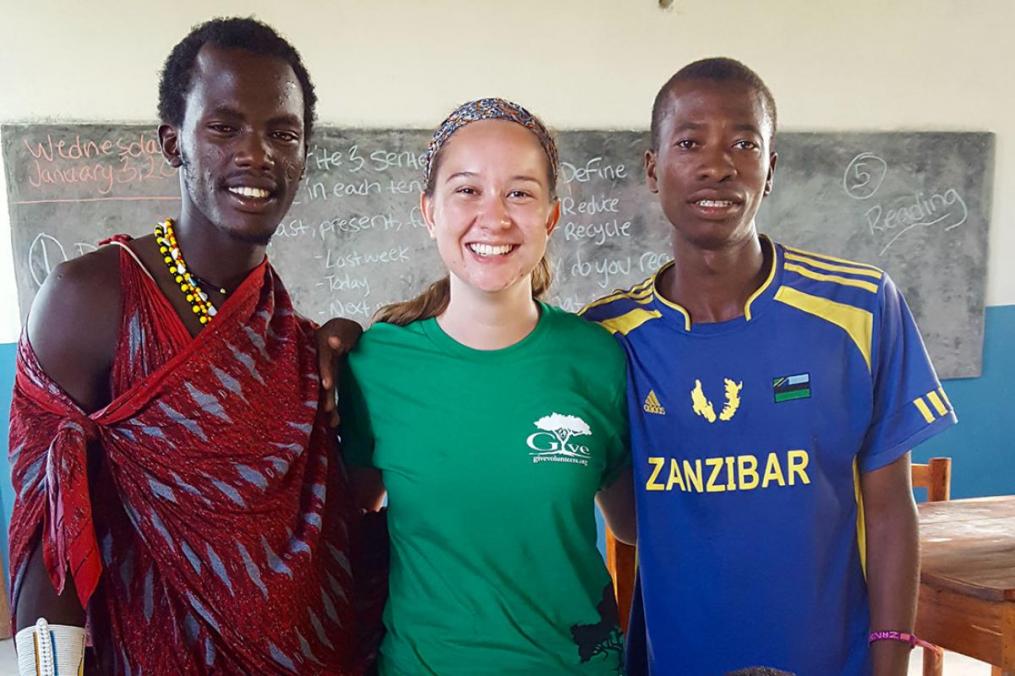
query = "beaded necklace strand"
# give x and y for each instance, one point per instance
(188, 281)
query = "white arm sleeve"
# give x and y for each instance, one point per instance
(49, 649)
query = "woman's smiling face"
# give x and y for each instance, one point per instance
(492, 208)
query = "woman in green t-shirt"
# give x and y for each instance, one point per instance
(492, 421)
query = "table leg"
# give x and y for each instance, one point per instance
(933, 662)
(1007, 667)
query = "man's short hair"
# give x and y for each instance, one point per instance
(235, 33)
(716, 69)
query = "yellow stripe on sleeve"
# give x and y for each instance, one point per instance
(924, 411)
(815, 263)
(629, 321)
(936, 402)
(821, 277)
(640, 293)
(944, 396)
(826, 257)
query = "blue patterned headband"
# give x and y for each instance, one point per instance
(491, 109)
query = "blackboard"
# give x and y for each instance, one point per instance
(916, 204)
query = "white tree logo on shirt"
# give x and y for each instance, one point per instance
(553, 442)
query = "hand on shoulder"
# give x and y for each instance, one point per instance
(335, 339)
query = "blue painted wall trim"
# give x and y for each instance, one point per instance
(8, 351)
(981, 445)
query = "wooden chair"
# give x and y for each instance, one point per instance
(936, 477)
(621, 559)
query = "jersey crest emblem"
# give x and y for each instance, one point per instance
(701, 405)
(652, 404)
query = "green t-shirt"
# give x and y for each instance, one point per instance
(492, 460)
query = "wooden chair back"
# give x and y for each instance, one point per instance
(621, 561)
(936, 477)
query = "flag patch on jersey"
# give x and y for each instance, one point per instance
(788, 388)
(652, 404)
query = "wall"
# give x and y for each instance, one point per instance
(907, 64)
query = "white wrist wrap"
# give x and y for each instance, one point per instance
(50, 650)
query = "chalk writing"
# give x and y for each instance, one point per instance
(150, 168)
(416, 217)
(946, 209)
(317, 190)
(650, 261)
(114, 198)
(310, 191)
(607, 269)
(346, 282)
(597, 232)
(405, 187)
(354, 224)
(597, 204)
(49, 150)
(864, 176)
(364, 187)
(356, 160)
(592, 169)
(293, 228)
(324, 159)
(102, 176)
(86, 162)
(352, 310)
(44, 254)
(145, 144)
(396, 254)
(604, 270)
(383, 160)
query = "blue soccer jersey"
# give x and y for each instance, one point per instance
(748, 439)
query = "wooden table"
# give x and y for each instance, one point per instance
(967, 578)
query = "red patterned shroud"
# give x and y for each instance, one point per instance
(197, 536)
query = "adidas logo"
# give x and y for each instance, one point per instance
(652, 404)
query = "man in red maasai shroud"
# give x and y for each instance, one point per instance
(179, 491)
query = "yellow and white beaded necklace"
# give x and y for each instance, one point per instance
(188, 282)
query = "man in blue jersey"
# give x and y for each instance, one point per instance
(774, 396)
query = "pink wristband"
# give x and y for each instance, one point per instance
(902, 636)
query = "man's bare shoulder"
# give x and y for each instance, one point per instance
(74, 323)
